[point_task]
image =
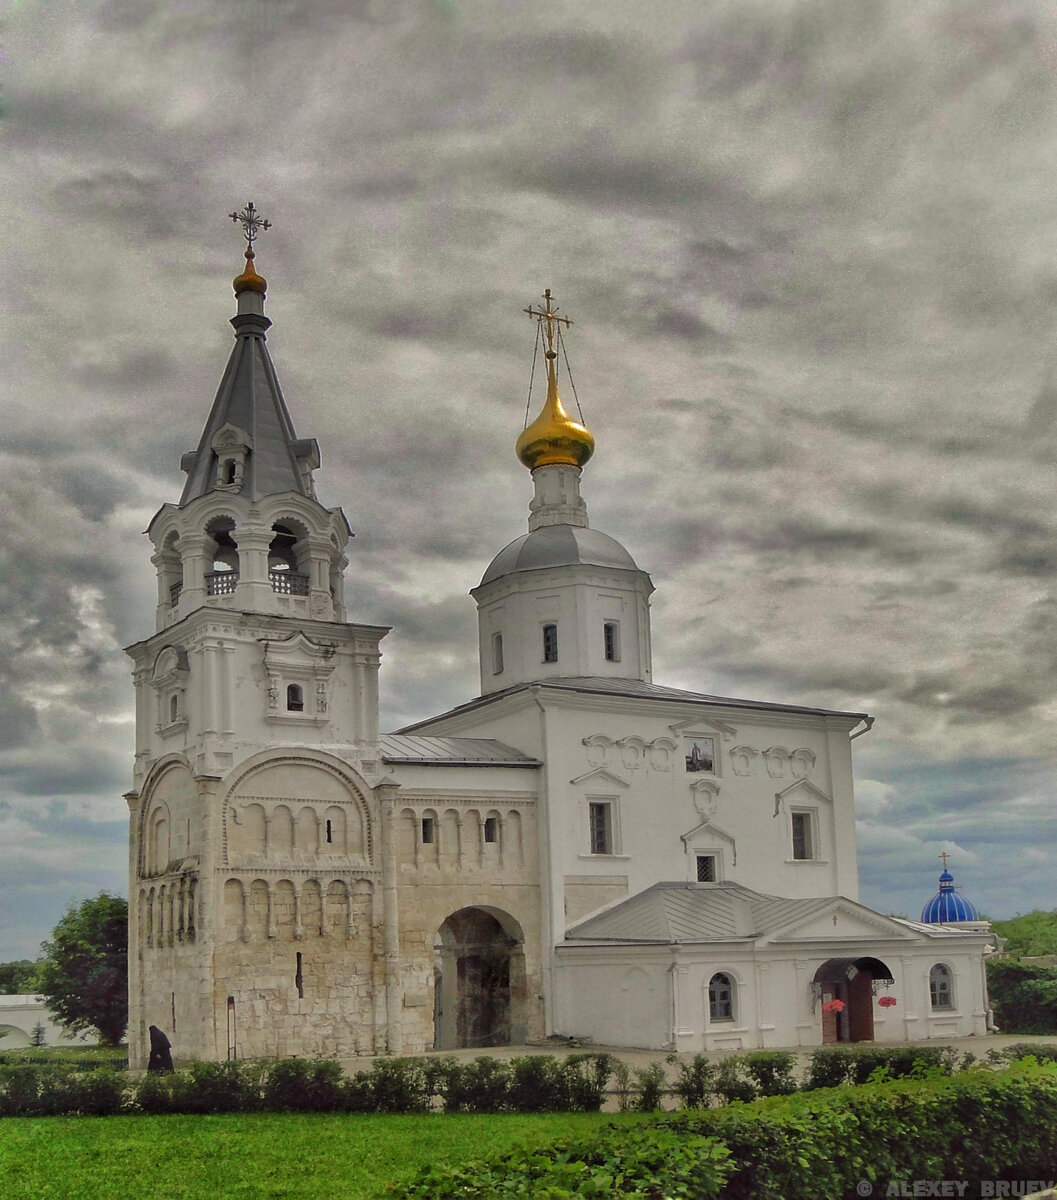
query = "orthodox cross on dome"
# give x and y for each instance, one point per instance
(251, 221)
(550, 316)
(944, 856)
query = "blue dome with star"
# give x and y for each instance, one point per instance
(947, 907)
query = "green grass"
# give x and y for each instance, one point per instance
(59, 1054)
(251, 1157)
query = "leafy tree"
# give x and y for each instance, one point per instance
(84, 969)
(1030, 934)
(17, 978)
(1023, 995)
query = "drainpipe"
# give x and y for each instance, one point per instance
(673, 998)
(546, 908)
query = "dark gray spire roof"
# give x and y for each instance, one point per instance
(250, 399)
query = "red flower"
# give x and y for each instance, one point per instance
(835, 1006)
(887, 1001)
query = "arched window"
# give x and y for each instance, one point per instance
(720, 998)
(229, 472)
(295, 698)
(550, 643)
(941, 986)
(224, 576)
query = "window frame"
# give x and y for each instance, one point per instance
(706, 858)
(497, 654)
(601, 806)
(807, 819)
(937, 988)
(550, 642)
(611, 641)
(717, 1002)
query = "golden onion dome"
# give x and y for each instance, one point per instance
(554, 437)
(249, 280)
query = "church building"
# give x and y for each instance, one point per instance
(577, 851)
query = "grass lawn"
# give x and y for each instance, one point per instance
(256, 1156)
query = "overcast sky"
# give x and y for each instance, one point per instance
(810, 250)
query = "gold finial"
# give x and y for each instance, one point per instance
(252, 225)
(554, 437)
(944, 856)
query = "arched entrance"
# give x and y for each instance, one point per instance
(479, 980)
(849, 981)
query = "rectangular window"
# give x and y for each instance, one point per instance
(428, 830)
(600, 816)
(706, 868)
(611, 637)
(497, 654)
(491, 829)
(550, 643)
(803, 847)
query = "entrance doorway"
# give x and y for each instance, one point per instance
(479, 980)
(849, 982)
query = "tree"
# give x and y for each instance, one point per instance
(17, 978)
(83, 972)
(39, 1035)
(1030, 934)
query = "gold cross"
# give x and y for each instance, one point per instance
(550, 315)
(944, 856)
(251, 221)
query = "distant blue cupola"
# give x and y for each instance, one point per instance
(947, 907)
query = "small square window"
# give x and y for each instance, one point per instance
(706, 868)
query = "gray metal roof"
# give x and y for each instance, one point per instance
(695, 912)
(558, 546)
(452, 751)
(635, 689)
(250, 398)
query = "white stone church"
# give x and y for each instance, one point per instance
(578, 851)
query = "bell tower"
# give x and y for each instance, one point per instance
(258, 778)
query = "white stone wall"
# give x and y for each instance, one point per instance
(20, 1015)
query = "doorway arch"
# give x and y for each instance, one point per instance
(850, 981)
(479, 980)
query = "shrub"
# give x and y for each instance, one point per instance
(392, 1085)
(729, 1080)
(542, 1083)
(297, 1085)
(621, 1076)
(693, 1082)
(480, 1086)
(830, 1067)
(651, 1083)
(772, 1071)
(95, 1093)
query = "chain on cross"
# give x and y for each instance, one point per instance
(550, 316)
(251, 221)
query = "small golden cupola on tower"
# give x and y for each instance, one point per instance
(554, 438)
(252, 223)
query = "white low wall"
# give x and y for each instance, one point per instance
(20, 1015)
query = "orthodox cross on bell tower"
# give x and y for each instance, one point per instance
(944, 856)
(550, 316)
(252, 223)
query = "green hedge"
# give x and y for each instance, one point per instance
(843, 1142)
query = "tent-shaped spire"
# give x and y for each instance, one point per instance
(249, 445)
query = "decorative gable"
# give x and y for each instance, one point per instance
(842, 920)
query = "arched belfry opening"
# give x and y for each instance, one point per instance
(223, 574)
(845, 989)
(286, 573)
(479, 979)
